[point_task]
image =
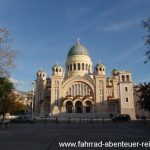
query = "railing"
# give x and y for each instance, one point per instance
(75, 120)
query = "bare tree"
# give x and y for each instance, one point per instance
(7, 54)
(146, 25)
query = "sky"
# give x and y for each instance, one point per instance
(45, 30)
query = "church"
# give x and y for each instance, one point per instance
(81, 90)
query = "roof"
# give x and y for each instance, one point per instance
(56, 65)
(99, 65)
(78, 49)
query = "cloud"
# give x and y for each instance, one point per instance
(118, 25)
(16, 82)
(141, 59)
(128, 52)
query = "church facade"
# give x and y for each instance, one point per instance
(81, 90)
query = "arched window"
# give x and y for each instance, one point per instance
(69, 91)
(60, 70)
(123, 78)
(85, 90)
(70, 67)
(127, 78)
(126, 89)
(74, 66)
(78, 89)
(73, 90)
(82, 66)
(78, 66)
(127, 99)
(100, 69)
(87, 67)
(82, 89)
(56, 69)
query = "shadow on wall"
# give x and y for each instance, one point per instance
(80, 109)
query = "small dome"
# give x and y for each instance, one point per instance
(78, 49)
(114, 70)
(99, 69)
(41, 71)
(41, 74)
(99, 65)
(57, 70)
(56, 65)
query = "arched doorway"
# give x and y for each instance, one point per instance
(69, 106)
(111, 107)
(78, 107)
(45, 108)
(88, 106)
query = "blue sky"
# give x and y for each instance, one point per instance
(44, 31)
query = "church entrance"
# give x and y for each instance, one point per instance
(88, 106)
(113, 106)
(69, 107)
(45, 108)
(78, 107)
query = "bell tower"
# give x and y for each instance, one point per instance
(56, 88)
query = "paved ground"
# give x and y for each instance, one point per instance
(47, 136)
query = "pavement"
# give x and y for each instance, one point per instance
(40, 136)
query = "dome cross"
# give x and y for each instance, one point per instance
(78, 40)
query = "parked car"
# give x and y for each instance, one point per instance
(23, 119)
(122, 117)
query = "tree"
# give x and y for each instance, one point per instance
(17, 106)
(146, 25)
(6, 87)
(7, 54)
(144, 96)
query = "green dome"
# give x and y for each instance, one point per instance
(115, 70)
(78, 49)
(99, 65)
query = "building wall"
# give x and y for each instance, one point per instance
(79, 62)
(82, 89)
(126, 94)
(99, 88)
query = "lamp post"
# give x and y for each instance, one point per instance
(32, 99)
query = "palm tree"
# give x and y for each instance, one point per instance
(144, 96)
(6, 87)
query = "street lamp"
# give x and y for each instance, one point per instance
(32, 99)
